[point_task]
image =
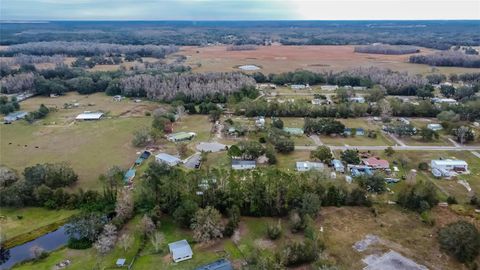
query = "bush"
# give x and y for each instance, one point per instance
(461, 239)
(299, 253)
(274, 231)
(82, 243)
(427, 218)
(423, 166)
(452, 200)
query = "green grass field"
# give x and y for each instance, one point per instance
(89, 147)
(15, 222)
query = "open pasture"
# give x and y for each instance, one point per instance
(280, 58)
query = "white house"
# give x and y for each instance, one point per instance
(434, 127)
(239, 164)
(304, 166)
(260, 122)
(89, 116)
(328, 87)
(318, 101)
(359, 88)
(448, 167)
(357, 99)
(444, 100)
(180, 251)
(167, 159)
(299, 86)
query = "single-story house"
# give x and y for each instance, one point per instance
(359, 88)
(211, 147)
(358, 170)
(293, 131)
(180, 251)
(239, 164)
(167, 159)
(448, 167)
(328, 87)
(357, 99)
(299, 86)
(304, 166)
(118, 98)
(14, 116)
(376, 163)
(89, 116)
(317, 101)
(129, 175)
(358, 131)
(222, 264)
(338, 166)
(444, 100)
(434, 127)
(181, 136)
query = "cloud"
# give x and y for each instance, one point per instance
(238, 9)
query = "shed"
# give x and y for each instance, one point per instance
(338, 166)
(180, 251)
(222, 264)
(434, 127)
(167, 159)
(14, 116)
(240, 164)
(120, 262)
(89, 116)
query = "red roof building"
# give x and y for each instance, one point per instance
(376, 163)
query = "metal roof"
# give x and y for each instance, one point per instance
(450, 162)
(89, 116)
(243, 162)
(168, 158)
(180, 249)
(222, 264)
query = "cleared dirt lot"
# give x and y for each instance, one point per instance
(279, 58)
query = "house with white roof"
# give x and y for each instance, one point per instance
(305, 166)
(180, 251)
(167, 159)
(328, 87)
(338, 166)
(448, 167)
(299, 86)
(89, 116)
(357, 99)
(240, 164)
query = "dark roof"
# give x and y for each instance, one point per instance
(222, 264)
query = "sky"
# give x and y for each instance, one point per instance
(238, 9)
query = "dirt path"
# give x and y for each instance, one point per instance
(396, 139)
(316, 140)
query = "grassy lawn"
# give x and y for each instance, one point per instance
(89, 147)
(357, 140)
(287, 161)
(195, 123)
(18, 221)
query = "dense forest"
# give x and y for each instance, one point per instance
(448, 59)
(431, 34)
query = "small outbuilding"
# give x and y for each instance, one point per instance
(240, 164)
(129, 175)
(357, 99)
(434, 127)
(120, 262)
(89, 116)
(222, 264)
(180, 251)
(338, 166)
(167, 159)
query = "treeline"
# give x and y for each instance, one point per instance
(447, 59)
(396, 83)
(28, 59)
(386, 49)
(78, 48)
(186, 87)
(431, 34)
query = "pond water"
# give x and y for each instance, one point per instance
(48, 242)
(249, 67)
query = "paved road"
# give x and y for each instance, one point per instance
(397, 148)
